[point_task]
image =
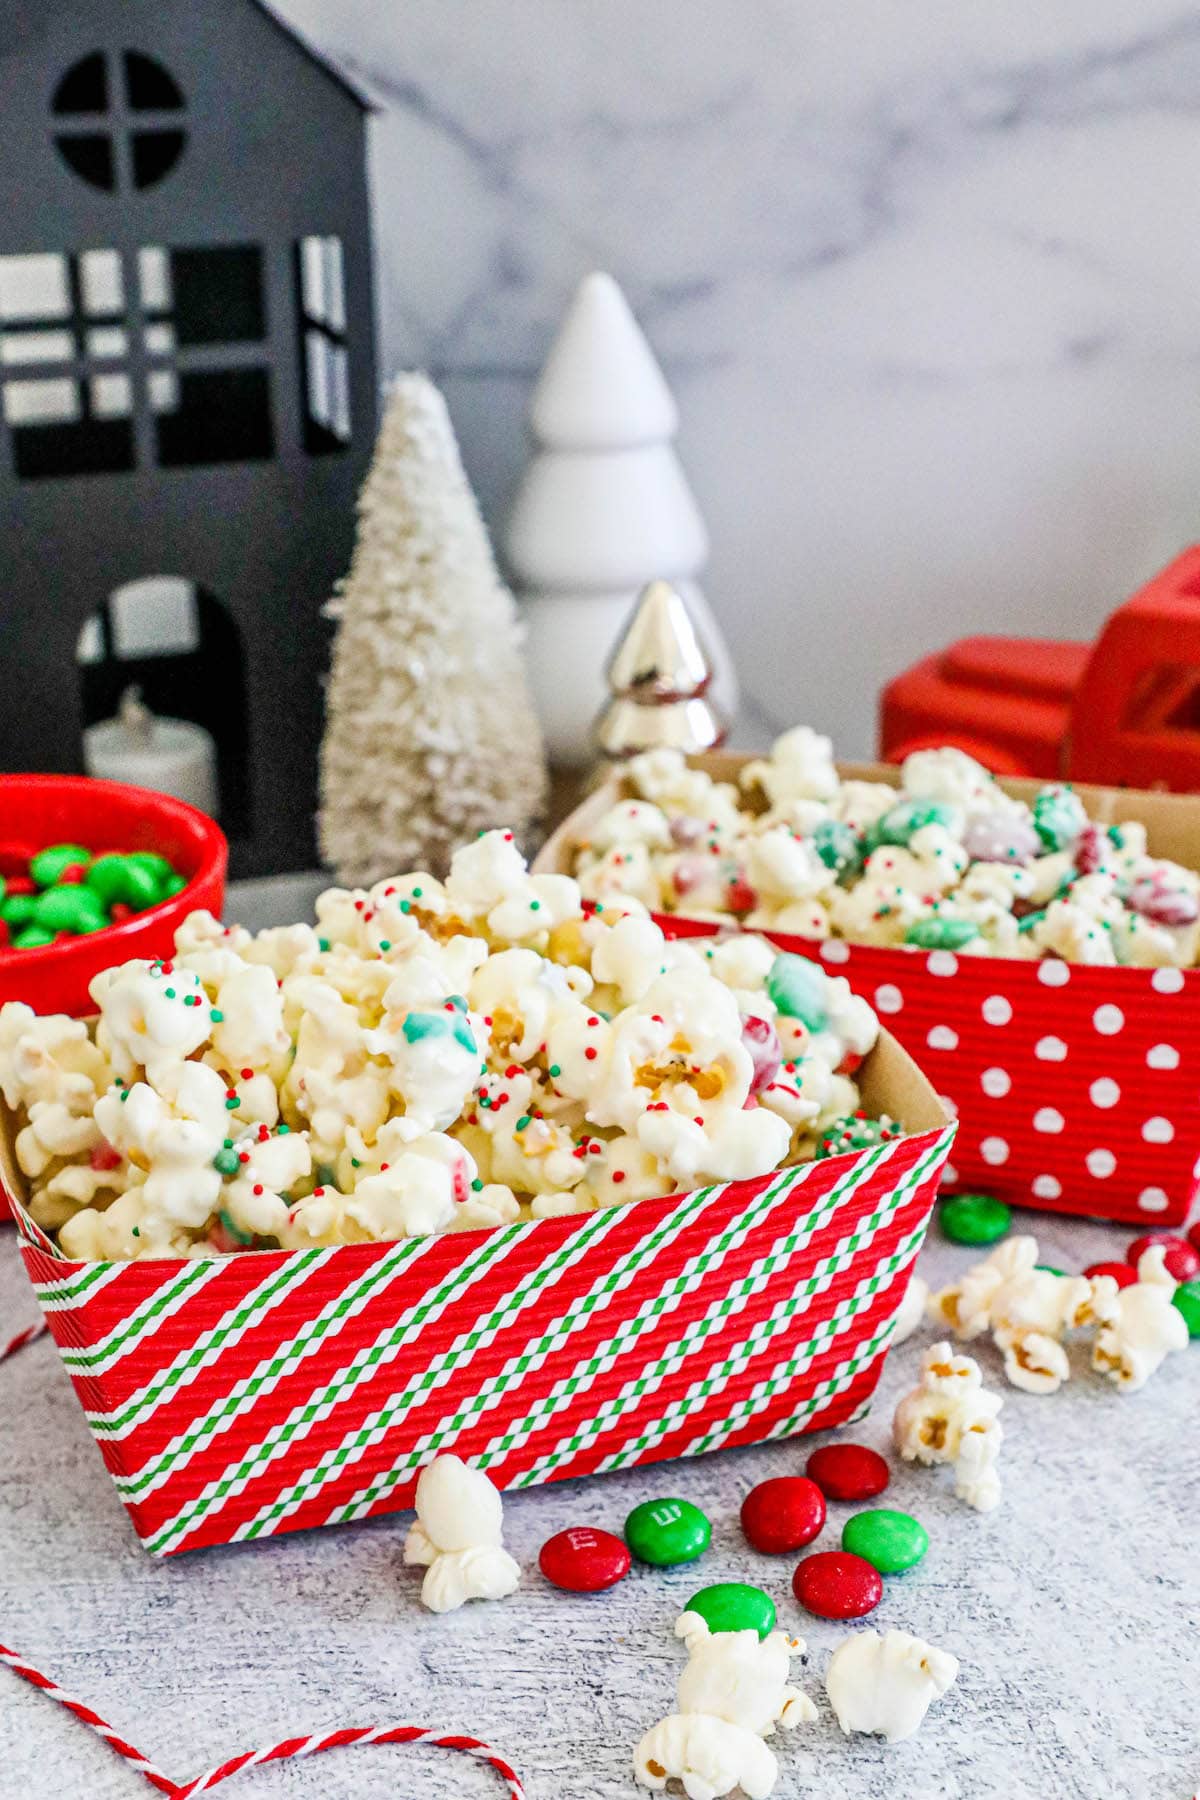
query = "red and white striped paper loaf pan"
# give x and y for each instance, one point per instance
(235, 1397)
(1076, 1089)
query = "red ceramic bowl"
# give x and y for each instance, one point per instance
(37, 810)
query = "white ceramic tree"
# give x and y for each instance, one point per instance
(431, 735)
(604, 507)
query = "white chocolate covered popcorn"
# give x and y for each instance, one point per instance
(946, 861)
(433, 1057)
(885, 1684)
(732, 1694)
(457, 1537)
(1028, 1311)
(950, 1417)
(1141, 1327)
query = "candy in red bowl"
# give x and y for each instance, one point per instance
(41, 813)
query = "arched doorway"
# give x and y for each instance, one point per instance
(183, 649)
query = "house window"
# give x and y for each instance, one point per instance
(67, 409)
(321, 296)
(90, 344)
(117, 120)
(210, 397)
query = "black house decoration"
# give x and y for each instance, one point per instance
(187, 383)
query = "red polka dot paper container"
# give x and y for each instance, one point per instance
(236, 1397)
(1076, 1089)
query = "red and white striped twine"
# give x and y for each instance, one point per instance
(250, 1759)
(30, 1335)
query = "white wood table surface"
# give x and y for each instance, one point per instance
(1074, 1610)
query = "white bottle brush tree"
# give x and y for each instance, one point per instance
(603, 508)
(430, 734)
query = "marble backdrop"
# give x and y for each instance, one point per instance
(925, 277)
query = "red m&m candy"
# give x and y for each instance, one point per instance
(1181, 1260)
(584, 1560)
(783, 1514)
(848, 1471)
(1121, 1273)
(833, 1584)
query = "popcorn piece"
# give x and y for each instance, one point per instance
(416, 1194)
(885, 1684)
(954, 776)
(250, 1029)
(173, 1132)
(48, 1059)
(732, 1693)
(708, 1755)
(800, 765)
(950, 1417)
(151, 1015)
(1141, 1327)
(457, 1537)
(1028, 1311)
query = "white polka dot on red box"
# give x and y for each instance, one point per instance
(997, 1010)
(1048, 1118)
(1050, 1049)
(1100, 1163)
(1053, 973)
(942, 1037)
(1158, 1130)
(1162, 1056)
(1108, 1020)
(995, 1083)
(1104, 1091)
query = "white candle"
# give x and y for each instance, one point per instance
(172, 756)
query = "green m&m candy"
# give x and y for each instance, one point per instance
(900, 822)
(106, 877)
(665, 1532)
(32, 938)
(1187, 1298)
(70, 907)
(174, 884)
(1058, 817)
(48, 864)
(156, 866)
(974, 1219)
(838, 845)
(18, 909)
(941, 933)
(734, 1606)
(890, 1541)
(797, 986)
(142, 889)
(115, 877)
